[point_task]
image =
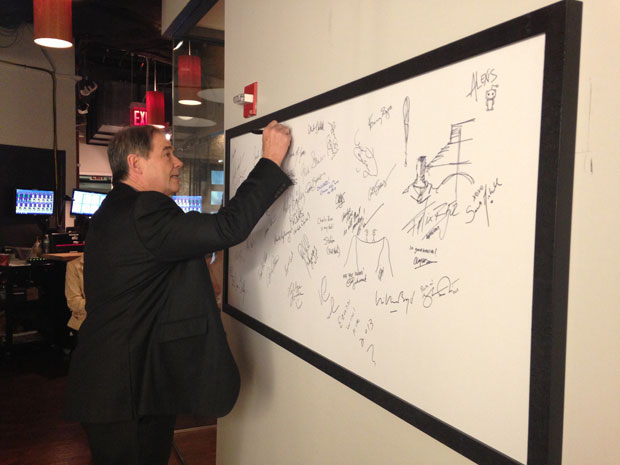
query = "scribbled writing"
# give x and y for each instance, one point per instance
(394, 304)
(349, 319)
(294, 294)
(480, 81)
(331, 248)
(366, 156)
(352, 279)
(432, 219)
(384, 114)
(327, 187)
(340, 200)
(432, 291)
(316, 127)
(308, 254)
(482, 197)
(379, 184)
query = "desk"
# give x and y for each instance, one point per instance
(49, 311)
(62, 257)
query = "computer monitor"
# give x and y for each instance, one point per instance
(86, 202)
(34, 202)
(189, 203)
(217, 177)
(217, 197)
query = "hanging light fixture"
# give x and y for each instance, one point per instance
(155, 106)
(189, 83)
(52, 23)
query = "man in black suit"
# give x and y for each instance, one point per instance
(153, 345)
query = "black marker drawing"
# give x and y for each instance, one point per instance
(380, 184)
(490, 96)
(332, 141)
(383, 260)
(406, 108)
(366, 156)
(372, 216)
(340, 200)
(421, 188)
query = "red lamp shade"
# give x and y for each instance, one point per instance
(189, 79)
(155, 108)
(52, 23)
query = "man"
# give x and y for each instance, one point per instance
(153, 344)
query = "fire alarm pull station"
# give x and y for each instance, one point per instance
(248, 100)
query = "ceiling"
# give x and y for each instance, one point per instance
(113, 40)
(106, 33)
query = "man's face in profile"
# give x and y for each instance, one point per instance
(162, 167)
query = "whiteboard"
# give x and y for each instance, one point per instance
(404, 253)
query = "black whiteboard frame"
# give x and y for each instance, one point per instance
(561, 25)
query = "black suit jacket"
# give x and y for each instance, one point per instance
(153, 341)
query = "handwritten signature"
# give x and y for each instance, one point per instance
(385, 113)
(308, 254)
(429, 221)
(294, 294)
(380, 184)
(431, 292)
(388, 300)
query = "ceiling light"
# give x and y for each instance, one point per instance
(212, 95)
(189, 79)
(178, 45)
(52, 23)
(194, 122)
(155, 105)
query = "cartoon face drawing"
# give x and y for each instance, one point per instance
(491, 94)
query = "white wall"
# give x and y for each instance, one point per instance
(291, 413)
(26, 99)
(94, 160)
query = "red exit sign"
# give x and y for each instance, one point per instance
(137, 116)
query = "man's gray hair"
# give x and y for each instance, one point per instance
(135, 139)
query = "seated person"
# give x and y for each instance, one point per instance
(74, 284)
(74, 292)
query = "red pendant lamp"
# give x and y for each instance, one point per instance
(155, 105)
(189, 74)
(52, 23)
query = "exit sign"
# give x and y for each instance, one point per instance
(137, 116)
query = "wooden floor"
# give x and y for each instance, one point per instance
(32, 432)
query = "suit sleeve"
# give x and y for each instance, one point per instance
(169, 234)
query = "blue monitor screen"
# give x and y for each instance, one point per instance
(189, 203)
(86, 202)
(34, 202)
(217, 178)
(217, 197)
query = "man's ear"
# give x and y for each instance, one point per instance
(134, 163)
